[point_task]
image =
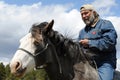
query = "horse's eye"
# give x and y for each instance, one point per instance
(36, 43)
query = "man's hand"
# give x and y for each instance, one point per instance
(84, 42)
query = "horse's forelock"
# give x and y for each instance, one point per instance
(36, 34)
(36, 30)
(40, 25)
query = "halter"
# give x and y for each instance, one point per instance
(40, 52)
(33, 54)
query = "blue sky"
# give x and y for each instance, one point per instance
(45, 2)
(76, 3)
(17, 16)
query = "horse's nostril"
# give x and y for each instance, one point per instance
(15, 67)
(18, 65)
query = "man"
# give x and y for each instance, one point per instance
(99, 36)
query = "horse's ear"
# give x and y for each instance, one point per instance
(49, 26)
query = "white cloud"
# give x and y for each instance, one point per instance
(118, 65)
(4, 60)
(104, 6)
(115, 21)
(20, 18)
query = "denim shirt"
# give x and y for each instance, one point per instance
(102, 41)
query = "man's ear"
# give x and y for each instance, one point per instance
(95, 14)
(49, 26)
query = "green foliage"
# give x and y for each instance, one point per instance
(2, 72)
(33, 75)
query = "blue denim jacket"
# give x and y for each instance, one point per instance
(102, 41)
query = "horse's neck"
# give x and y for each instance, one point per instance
(52, 57)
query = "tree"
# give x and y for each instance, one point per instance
(2, 72)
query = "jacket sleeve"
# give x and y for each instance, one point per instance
(107, 41)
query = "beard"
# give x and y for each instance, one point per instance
(90, 20)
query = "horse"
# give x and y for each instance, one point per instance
(44, 47)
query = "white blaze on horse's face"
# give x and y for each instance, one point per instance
(22, 62)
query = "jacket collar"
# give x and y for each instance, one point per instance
(95, 22)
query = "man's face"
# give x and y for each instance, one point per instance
(87, 16)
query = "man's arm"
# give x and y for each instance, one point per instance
(108, 40)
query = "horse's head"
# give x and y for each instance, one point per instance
(32, 45)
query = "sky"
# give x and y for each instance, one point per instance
(17, 16)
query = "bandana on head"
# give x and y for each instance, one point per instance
(87, 7)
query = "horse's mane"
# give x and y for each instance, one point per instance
(68, 40)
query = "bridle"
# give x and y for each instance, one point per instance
(35, 54)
